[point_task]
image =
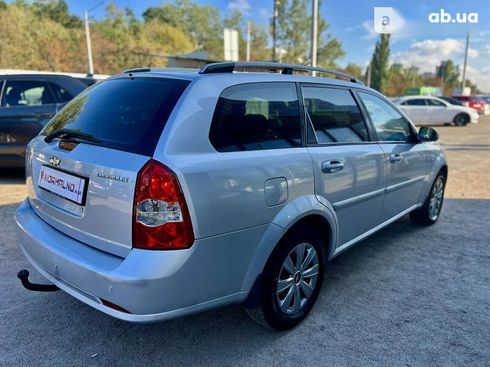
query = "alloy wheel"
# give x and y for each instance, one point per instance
(297, 279)
(436, 197)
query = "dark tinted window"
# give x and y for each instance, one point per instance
(61, 95)
(257, 116)
(335, 116)
(390, 125)
(125, 114)
(27, 93)
(415, 102)
(435, 103)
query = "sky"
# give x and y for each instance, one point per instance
(415, 40)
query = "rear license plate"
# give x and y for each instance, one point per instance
(68, 186)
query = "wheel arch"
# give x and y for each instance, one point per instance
(305, 211)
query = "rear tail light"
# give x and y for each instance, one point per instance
(161, 219)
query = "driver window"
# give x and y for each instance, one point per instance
(435, 103)
(390, 125)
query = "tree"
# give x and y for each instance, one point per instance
(57, 11)
(260, 50)
(354, 70)
(202, 23)
(294, 35)
(400, 79)
(448, 74)
(379, 63)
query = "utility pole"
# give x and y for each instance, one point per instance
(87, 38)
(369, 74)
(89, 46)
(275, 14)
(314, 32)
(443, 67)
(463, 81)
(249, 30)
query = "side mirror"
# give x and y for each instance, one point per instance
(427, 133)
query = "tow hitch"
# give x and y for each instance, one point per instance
(23, 275)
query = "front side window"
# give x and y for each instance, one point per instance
(62, 96)
(334, 114)
(27, 93)
(256, 116)
(390, 125)
(435, 103)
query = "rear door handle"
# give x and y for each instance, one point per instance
(332, 166)
(395, 158)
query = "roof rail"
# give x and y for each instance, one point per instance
(229, 67)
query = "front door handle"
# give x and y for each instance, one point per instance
(395, 158)
(43, 115)
(332, 166)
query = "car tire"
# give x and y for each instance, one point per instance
(291, 280)
(430, 211)
(461, 119)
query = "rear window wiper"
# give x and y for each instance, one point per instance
(67, 133)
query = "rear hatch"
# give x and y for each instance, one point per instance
(82, 168)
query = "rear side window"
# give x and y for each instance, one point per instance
(256, 116)
(27, 93)
(335, 116)
(126, 114)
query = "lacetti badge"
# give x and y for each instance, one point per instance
(62, 184)
(112, 177)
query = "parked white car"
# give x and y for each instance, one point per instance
(433, 110)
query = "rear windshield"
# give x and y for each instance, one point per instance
(126, 114)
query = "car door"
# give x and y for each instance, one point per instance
(405, 162)
(437, 112)
(416, 109)
(348, 168)
(26, 106)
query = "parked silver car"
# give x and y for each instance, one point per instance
(154, 195)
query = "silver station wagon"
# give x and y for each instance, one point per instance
(157, 193)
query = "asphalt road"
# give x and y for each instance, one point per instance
(406, 296)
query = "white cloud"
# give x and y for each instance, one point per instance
(480, 77)
(368, 27)
(428, 54)
(243, 6)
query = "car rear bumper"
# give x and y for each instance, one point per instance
(150, 285)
